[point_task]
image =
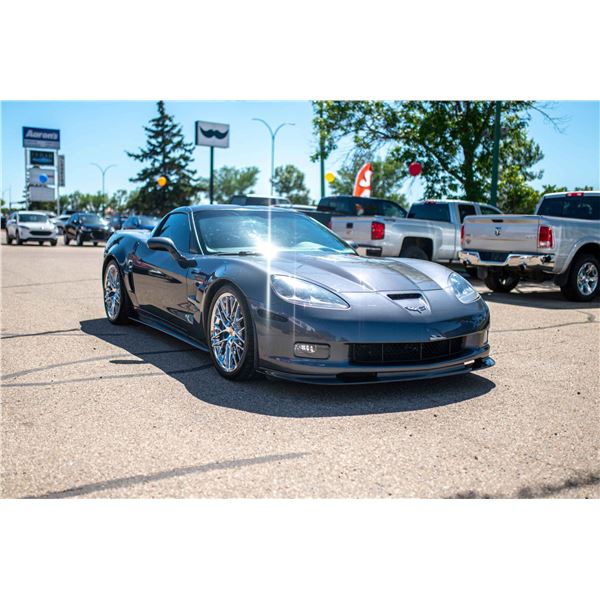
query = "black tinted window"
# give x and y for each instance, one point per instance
(381, 208)
(430, 211)
(571, 207)
(465, 210)
(177, 228)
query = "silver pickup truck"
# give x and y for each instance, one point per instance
(560, 242)
(430, 231)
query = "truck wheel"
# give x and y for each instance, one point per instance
(414, 252)
(582, 284)
(499, 281)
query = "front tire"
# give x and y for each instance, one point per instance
(231, 335)
(9, 240)
(582, 284)
(79, 240)
(53, 242)
(502, 282)
(19, 240)
(66, 240)
(116, 299)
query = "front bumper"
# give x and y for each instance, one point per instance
(28, 235)
(475, 258)
(94, 236)
(474, 361)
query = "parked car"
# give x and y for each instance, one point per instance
(30, 226)
(116, 221)
(560, 242)
(86, 227)
(430, 231)
(60, 223)
(269, 290)
(140, 222)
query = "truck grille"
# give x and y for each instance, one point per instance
(493, 256)
(406, 352)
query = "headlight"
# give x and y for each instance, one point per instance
(462, 289)
(84, 228)
(298, 291)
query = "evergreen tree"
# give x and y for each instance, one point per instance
(166, 155)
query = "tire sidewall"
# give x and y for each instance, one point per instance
(246, 365)
(122, 315)
(573, 292)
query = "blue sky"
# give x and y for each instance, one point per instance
(101, 132)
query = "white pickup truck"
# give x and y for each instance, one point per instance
(560, 242)
(430, 231)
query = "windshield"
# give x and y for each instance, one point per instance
(91, 220)
(234, 232)
(33, 218)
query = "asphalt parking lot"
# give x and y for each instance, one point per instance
(94, 410)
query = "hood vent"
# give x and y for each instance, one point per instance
(404, 296)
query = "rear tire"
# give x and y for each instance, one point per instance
(502, 282)
(230, 323)
(582, 284)
(414, 252)
(117, 311)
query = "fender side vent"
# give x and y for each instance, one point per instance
(407, 296)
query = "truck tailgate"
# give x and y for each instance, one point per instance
(502, 233)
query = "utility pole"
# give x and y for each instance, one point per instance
(321, 153)
(496, 155)
(273, 134)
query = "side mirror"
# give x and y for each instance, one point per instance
(166, 245)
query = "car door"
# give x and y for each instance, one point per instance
(161, 282)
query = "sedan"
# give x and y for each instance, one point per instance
(271, 291)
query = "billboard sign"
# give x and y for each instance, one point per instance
(39, 176)
(212, 134)
(61, 170)
(41, 194)
(36, 137)
(41, 158)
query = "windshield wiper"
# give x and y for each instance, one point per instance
(241, 253)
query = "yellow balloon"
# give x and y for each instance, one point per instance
(329, 177)
(162, 181)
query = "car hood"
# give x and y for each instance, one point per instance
(351, 273)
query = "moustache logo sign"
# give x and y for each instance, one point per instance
(212, 134)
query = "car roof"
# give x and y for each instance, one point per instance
(32, 212)
(236, 207)
(582, 192)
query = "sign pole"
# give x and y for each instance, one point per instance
(495, 155)
(211, 187)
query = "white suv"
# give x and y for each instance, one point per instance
(31, 226)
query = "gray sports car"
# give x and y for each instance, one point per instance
(269, 290)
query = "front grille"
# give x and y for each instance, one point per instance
(98, 235)
(32, 232)
(406, 352)
(493, 256)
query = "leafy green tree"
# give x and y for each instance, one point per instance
(166, 154)
(77, 200)
(288, 182)
(452, 140)
(230, 181)
(388, 178)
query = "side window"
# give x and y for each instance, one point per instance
(345, 206)
(177, 228)
(465, 210)
(489, 210)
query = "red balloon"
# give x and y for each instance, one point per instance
(415, 168)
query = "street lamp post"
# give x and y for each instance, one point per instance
(273, 134)
(103, 171)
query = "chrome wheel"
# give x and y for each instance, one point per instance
(112, 291)
(587, 278)
(227, 332)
